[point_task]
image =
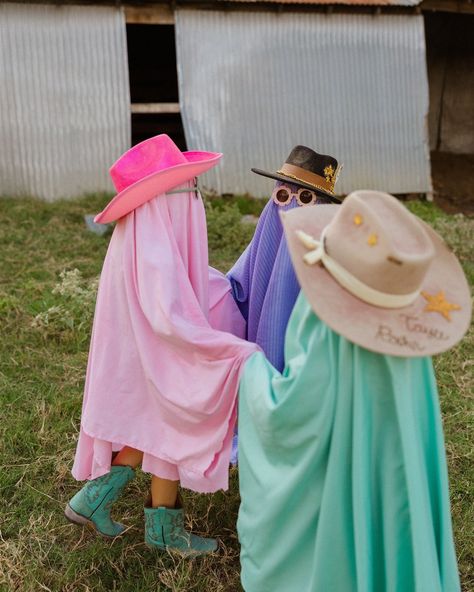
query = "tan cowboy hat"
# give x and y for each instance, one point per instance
(378, 275)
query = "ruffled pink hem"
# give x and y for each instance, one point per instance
(94, 458)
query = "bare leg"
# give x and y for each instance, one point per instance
(128, 457)
(164, 493)
(164, 522)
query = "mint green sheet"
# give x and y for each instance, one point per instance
(342, 470)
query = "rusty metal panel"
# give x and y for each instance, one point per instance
(64, 98)
(345, 2)
(253, 85)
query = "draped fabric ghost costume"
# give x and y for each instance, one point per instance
(160, 379)
(342, 466)
(264, 284)
(342, 470)
(263, 281)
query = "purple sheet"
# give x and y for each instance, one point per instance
(264, 284)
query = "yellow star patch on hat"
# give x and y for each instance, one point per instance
(372, 240)
(329, 174)
(438, 303)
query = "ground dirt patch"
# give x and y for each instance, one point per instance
(453, 182)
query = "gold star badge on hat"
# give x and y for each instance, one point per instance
(438, 303)
(372, 240)
(329, 173)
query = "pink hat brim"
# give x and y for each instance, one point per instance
(404, 332)
(156, 184)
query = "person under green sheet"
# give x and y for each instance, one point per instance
(343, 473)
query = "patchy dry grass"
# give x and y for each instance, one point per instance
(41, 380)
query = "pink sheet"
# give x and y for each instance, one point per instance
(224, 314)
(160, 378)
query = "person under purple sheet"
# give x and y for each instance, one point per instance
(263, 282)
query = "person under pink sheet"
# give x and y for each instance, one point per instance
(161, 382)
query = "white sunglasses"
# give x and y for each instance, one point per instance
(282, 196)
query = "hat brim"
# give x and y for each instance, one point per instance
(411, 331)
(156, 184)
(284, 178)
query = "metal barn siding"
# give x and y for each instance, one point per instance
(253, 85)
(345, 2)
(64, 98)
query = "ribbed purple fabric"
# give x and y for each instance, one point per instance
(264, 284)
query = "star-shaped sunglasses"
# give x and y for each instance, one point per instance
(282, 195)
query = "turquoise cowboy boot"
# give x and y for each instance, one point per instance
(164, 529)
(91, 505)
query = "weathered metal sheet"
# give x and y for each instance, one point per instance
(253, 85)
(64, 98)
(345, 2)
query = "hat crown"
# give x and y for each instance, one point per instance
(308, 159)
(380, 242)
(150, 156)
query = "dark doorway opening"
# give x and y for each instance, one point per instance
(450, 57)
(154, 83)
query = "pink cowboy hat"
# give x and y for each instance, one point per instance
(152, 168)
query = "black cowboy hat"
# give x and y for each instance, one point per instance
(306, 168)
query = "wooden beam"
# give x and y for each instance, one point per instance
(154, 14)
(154, 108)
(459, 6)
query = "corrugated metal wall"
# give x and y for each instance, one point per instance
(64, 98)
(253, 85)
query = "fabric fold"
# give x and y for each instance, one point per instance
(342, 470)
(160, 378)
(264, 284)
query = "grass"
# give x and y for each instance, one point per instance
(41, 381)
